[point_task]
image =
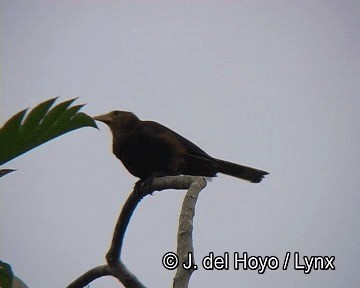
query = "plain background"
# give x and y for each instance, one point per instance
(271, 84)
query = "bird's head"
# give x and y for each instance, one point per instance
(119, 121)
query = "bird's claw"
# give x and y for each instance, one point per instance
(144, 186)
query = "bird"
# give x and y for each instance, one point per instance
(148, 150)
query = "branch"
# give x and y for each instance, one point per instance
(90, 276)
(115, 266)
(185, 240)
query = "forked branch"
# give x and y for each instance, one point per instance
(116, 267)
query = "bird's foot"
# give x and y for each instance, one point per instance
(144, 186)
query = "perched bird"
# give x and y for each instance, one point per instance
(148, 150)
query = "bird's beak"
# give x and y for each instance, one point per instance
(106, 118)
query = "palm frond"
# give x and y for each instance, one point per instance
(6, 275)
(42, 124)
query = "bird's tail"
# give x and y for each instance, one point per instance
(247, 173)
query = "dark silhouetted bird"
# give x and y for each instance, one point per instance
(148, 149)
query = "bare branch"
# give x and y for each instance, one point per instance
(90, 276)
(115, 266)
(114, 253)
(185, 240)
(123, 274)
(158, 184)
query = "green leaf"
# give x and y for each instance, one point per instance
(78, 120)
(6, 275)
(63, 119)
(3, 172)
(51, 117)
(11, 128)
(41, 125)
(36, 115)
(10, 133)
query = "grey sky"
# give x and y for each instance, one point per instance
(271, 84)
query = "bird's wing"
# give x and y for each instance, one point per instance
(154, 129)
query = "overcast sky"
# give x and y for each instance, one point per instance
(270, 84)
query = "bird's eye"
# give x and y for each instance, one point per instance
(116, 113)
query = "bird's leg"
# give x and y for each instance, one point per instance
(144, 185)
